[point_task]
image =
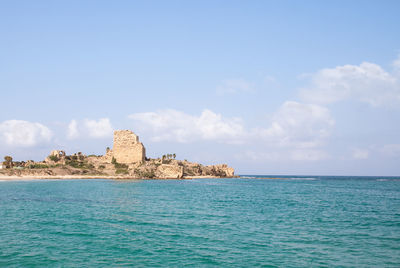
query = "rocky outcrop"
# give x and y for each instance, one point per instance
(126, 159)
(169, 171)
(224, 170)
(55, 156)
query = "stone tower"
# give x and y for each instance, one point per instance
(126, 148)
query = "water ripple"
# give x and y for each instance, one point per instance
(297, 222)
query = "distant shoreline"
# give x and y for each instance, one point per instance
(80, 177)
(86, 177)
(125, 177)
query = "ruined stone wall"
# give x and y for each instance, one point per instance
(127, 148)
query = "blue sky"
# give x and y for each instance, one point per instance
(269, 87)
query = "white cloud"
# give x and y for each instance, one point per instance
(73, 132)
(173, 125)
(98, 129)
(252, 155)
(295, 131)
(360, 154)
(308, 155)
(232, 86)
(295, 124)
(21, 133)
(298, 125)
(273, 155)
(367, 82)
(391, 150)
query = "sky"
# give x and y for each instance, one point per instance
(268, 87)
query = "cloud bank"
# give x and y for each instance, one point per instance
(296, 131)
(72, 131)
(360, 154)
(174, 125)
(367, 82)
(19, 133)
(92, 128)
(298, 125)
(101, 128)
(295, 126)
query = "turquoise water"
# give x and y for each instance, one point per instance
(298, 222)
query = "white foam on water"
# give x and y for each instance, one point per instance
(301, 179)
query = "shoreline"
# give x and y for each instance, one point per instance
(88, 177)
(80, 177)
(116, 177)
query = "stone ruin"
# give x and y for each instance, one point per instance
(126, 148)
(130, 157)
(55, 156)
(57, 153)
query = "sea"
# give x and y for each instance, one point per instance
(292, 221)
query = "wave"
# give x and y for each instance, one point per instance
(278, 178)
(302, 179)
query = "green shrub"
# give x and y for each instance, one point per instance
(74, 163)
(39, 166)
(118, 165)
(54, 158)
(56, 165)
(145, 174)
(79, 164)
(8, 163)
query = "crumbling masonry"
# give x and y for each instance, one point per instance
(126, 148)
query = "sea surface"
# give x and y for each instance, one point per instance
(246, 222)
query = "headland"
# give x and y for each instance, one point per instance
(126, 160)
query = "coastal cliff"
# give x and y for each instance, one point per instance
(127, 159)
